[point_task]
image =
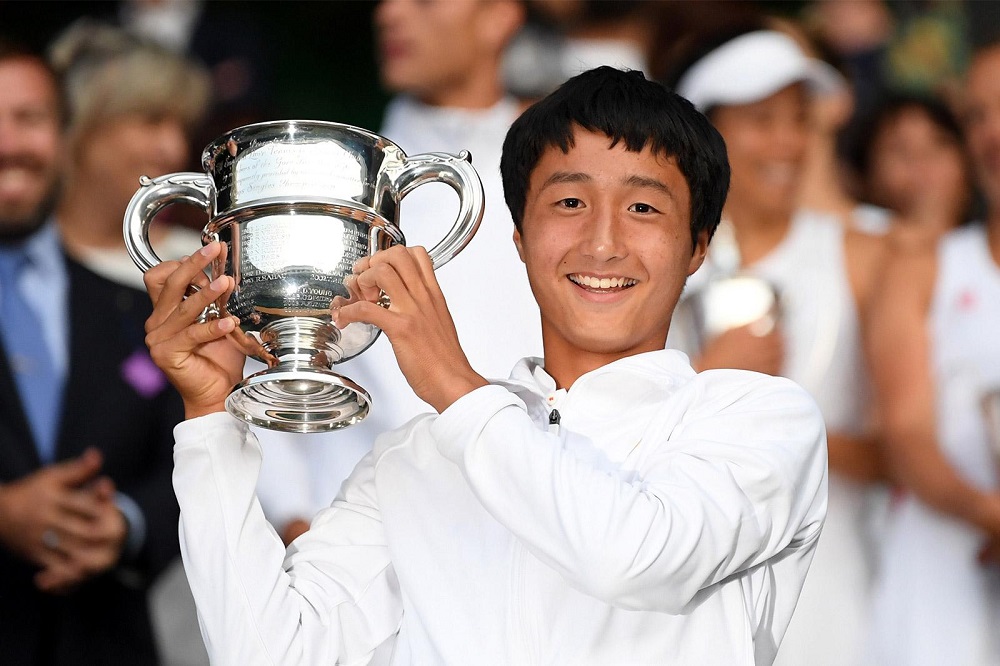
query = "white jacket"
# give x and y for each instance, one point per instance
(669, 519)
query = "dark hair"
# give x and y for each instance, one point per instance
(13, 50)
(888, 111)
(628, 108)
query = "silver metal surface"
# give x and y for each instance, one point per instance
(296, 204)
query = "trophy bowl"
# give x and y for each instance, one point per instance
(295, 204)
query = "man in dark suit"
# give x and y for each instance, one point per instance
(87, 513)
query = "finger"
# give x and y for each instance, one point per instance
(366, 312)
(165, 343)
(59, 576)
(380, 278)
(245, 342)
(169, 288)
(404, 263)
(187, 313)
(361, 265)
(77, 471)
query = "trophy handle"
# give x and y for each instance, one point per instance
(153, 195)
(456, 171)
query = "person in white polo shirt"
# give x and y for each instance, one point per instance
(603, 505)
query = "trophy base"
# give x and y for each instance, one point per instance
(294, 397)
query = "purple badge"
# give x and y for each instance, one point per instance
(141, 374)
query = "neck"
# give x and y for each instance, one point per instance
(566, 364)
(479, 91)
(993, 234)
(757, 232)
(820, 189)
(88, 221)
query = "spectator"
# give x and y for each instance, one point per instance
(913, 163)
(823, 272)
(131, 105)
(87, 514)
(443, 60)
(934, 355)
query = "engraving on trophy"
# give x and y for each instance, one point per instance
(286, 169)
(295, 205)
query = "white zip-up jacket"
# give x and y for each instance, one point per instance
(668, 518)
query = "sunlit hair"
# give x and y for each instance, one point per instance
(108, 73)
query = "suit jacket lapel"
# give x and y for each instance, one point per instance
(18, 454)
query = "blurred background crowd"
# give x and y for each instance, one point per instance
(859, 255)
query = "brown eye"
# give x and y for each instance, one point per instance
(571, 202)
(641, 208)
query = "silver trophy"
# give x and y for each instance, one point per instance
(730, 298)
(296, 204)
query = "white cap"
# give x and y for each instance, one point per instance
(752, 67)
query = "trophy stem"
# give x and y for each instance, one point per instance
(299, 392)
(304, 340)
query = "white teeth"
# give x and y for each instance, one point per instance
(601, 283)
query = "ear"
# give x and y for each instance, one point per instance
(517, 244)
(700, 251)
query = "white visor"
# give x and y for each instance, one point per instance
(753, 67)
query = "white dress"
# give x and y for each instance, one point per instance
(487, 291)
(934, 603)
(823, 355)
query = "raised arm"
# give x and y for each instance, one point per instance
(333, 599)
(732, 483)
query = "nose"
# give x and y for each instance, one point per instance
(603, 238)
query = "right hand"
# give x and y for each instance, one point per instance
(743, 348)
(202, 360)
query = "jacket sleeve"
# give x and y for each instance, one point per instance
(732, 479)
(332, 598)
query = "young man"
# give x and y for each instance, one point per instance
(603, 505)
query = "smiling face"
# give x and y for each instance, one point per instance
(606, 240)
(30, 145)
(913, 157)
(766, 142)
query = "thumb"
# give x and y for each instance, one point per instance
(79, 470)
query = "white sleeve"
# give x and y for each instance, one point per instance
(735, 480)
(333, 599)
(285, 480)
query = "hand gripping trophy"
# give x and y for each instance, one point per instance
(296, 204)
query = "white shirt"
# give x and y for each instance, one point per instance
(669, 520)
(487, 291)
(820, 325)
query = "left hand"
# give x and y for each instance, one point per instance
(86, 554)
(417, 322)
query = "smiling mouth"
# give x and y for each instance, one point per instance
(601, 284)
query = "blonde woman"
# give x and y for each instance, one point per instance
(132, 106)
